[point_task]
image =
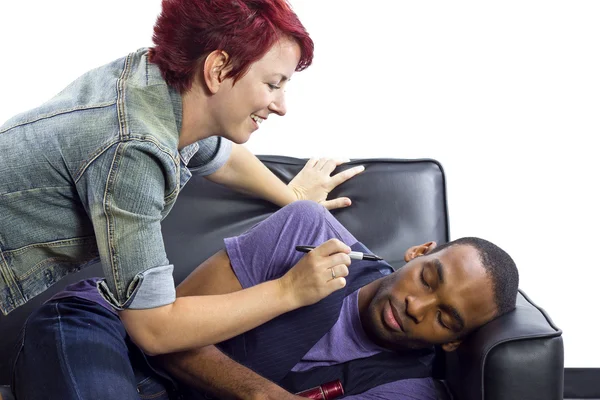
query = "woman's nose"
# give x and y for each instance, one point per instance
(278, 105)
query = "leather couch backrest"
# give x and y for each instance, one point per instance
(396, 204)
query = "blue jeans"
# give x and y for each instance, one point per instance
(76, 349)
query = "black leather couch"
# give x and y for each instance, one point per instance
(396, 203)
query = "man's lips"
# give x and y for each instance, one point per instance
(391, 317)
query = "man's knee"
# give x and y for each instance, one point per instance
(75, 324)
(40, 323)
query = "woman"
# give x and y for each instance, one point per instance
(92, 173)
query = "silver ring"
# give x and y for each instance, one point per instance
(333, 276)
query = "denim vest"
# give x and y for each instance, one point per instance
(89, 176)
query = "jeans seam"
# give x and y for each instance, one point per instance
(64, 353)
(153, 396)
(121, 89)
(52, 244)
(58, 113)
(19, 347)
(106, 202)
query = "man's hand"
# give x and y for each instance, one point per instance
(317, 274)
(315, 182)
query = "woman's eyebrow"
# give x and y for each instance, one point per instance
(282, 77)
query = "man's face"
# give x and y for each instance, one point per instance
(433, 299)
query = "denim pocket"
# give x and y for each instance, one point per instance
(150, 388)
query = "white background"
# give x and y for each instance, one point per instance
(506, 95)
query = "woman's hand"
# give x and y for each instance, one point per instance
(318, 274)
(315, 182)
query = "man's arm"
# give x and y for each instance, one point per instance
(206, 368)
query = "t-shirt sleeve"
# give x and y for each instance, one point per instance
(407, 389)
(125, 190)
(267, 251)
(213, 152)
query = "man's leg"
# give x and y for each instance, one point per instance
(75, 349)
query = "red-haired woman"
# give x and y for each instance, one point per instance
(110, 155)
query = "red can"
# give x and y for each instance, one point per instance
(327, 391)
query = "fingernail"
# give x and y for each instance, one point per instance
(348, 202)
(361, 168)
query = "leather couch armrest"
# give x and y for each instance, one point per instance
(517, 356)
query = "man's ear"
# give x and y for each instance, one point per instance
(451, 346)
(416, 251)
(216, 67)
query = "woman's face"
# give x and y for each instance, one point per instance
(238, 110)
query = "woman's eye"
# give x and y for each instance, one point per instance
(423, 279)
(273, 87)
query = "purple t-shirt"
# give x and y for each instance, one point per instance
(345, 341)
(86, 289)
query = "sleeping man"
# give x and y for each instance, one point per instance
(376, 335)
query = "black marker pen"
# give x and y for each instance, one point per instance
(355, 255)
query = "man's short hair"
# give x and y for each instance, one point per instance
(499, 266)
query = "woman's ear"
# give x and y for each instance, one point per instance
(216, 66)
(416, 251)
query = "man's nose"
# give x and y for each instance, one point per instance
(278, 105)
(417, 307)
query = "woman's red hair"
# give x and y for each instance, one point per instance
(186, 31)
